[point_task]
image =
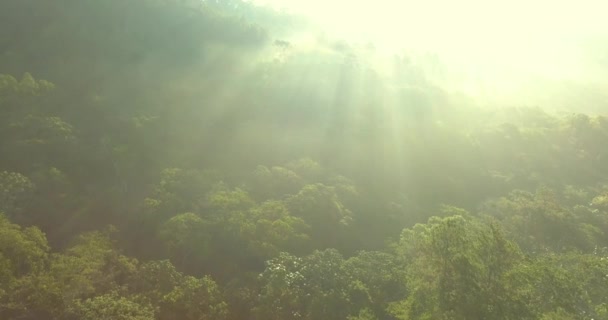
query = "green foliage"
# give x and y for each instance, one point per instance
(155, 279)
(563, 285)
(293, 288)
(194, 299)
(601, 201)
(176, 295)
(23, 250)
(364, 314)
(276, 181)
(456, 270)
(111, 306)
(375, 280)
(36, 295)
(15, 191)
(27, 86)
(273, 229)
(179, 190)
(539, 222)
(91, 266)
(179, 122)
(228, 201)
(186, 237)
(320, 207)
(34, 130)
(24, 255)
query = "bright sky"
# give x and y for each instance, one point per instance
(553, 39)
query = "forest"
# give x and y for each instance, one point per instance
(200, 159)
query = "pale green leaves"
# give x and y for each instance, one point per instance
(112, 307)
(41, 130)
(176, 295)
(194, 299)
(455, 270)
(26, 86)
(24, 256)
(15, 191)
(186, 237)
(25, 249)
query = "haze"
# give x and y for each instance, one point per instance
(506, 52)
(333, 160)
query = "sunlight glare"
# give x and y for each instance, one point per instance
(506, 38)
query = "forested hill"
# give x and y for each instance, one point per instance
(167, 159)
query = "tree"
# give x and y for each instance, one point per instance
(91, 266)
(23, 250)
(540, 223)
(194, 299)
(16, 190)
(272, 229)
(187, 239)
(320, 207)
(155, 279)
(568, 286)
(111, 306)
(313, 287)
(175, 295)
(375, 280)
(456, 269)
(275, 183)
(25, 290)
(179, 190)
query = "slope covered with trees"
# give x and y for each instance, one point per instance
(168, 159)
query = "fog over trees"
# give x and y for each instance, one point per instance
(230, 160)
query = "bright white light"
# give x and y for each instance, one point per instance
(493, 41)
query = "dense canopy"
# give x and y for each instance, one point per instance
(166, 159)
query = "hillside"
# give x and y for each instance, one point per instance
(165, 159)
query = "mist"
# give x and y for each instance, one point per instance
(518, 53)
(231, 160)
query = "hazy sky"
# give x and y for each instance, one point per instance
(505, 44)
